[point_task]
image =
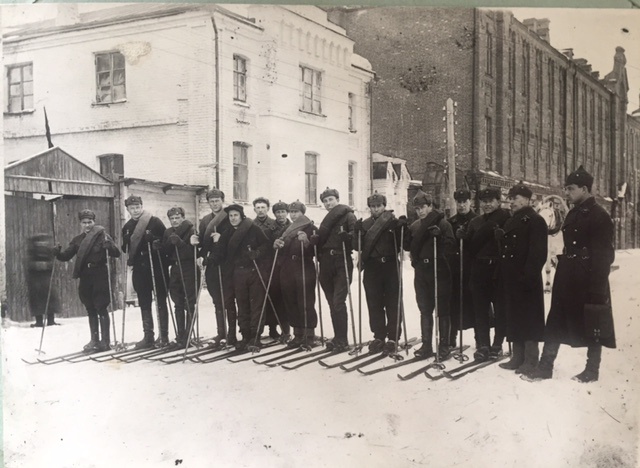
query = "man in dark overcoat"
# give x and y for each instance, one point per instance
(138, 234)
(42, 298)
(431, 228)
(523, 242)
(90, 249)
(488, 303)
(581, 281)
(461, 219)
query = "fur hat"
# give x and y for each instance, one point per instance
(86, 214)
(133, 200)
(377, 199)
(176, 210)
(520, 189)
(461, 195)
(581, 178)
(215, 193)
(235, 207)
(422, 198)
(329, 193)
(297, 206)
(279, 206)
(490, 193)
(261, 200)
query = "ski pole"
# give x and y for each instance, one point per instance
(346, 272)
(437, 364)
(304, 298)
(317, 267)
(190, 316)
(359, 289)
(113, 317)
(46, 307)
(224, 305)
(195, 264)
(166, 288)
(153, 282)
(460, 356)
(124, 300)
(266, 290)
(400, 310)
(264, 302)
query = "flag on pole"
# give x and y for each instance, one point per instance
(47, 129)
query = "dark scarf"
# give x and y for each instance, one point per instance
(374, 229)
(238, 237)
(138, 232)
(332, 218)
(292, 231)
(418, 241)
(214, 223)
(85, 248)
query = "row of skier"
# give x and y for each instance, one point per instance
(470, 271)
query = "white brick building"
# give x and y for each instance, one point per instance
(258, 100)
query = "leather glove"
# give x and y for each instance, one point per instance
(358, 226)
(55, 251)
(108, 243)
(302, 236)
(434, 231)
(314, 239)
(175, 239)
(148, 236)
(209, 260)
(253, 254)
(461, 233)
(278, 244)
(155, 245)
(215, 236)
(194, 240)
(344, 236)
(402, 221)
(498, 233)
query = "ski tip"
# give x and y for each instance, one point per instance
(401, 377)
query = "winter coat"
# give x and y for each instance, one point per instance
(523, 255)
(582, 274)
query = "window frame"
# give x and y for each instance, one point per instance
(112, 97)
(351, 103)
(24, 109)
(352, 167)
(311, 91)
(311, 178)
(240, 188)
(238, 76)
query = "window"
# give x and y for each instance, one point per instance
(512, 60)
(239, 78)
(311, 178)
(488, 143)
(489, 54)
(352, 183)
(552, 78)
(20, 81)
(311, 86)
(240, 170)
(526, 69)
(110, 77)
(352, 112)
(538, 76)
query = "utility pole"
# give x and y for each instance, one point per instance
(450, 164)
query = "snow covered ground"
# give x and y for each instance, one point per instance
(148, 414)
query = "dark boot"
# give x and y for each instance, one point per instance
(180, 327)
(38, 322)
(105, 330)
(591, 372)
(444, 327)
(286, 333)
(544, 370)
(147, 328)
(517, 358)
(482, 354)
(426, 328)
(273, 332)
(376, 346)
(163, 333)
(298, 338)
(233, 320)
(309, 338)
(51, 319)
(95, 334)
(531, 354)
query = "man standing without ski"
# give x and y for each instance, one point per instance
(298, 281)
(580, 314)
(431, 226)
(217, 221)
(91, 248)
(486, 289)
(176, 245)
(39, 271)
(379, 260)
(461, 219)
(523, 244)
(335, 238)
(267, 224)
(240, 248)
(137, 235)
(281, 212)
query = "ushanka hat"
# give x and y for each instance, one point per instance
(490, 193)
(297, 206)
(215, 193)
(280, 206)
(176, 210)
(520, 189)
(133, 200)
(235, 207)
(581, 178)
(377, 199)
(329, 192)
(86, 214)
(261, 200)
(461, 195)
(422, 198)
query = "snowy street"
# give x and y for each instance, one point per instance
(150, 414)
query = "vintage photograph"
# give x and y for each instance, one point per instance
(251, 235)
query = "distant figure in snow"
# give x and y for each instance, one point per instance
(39, 271)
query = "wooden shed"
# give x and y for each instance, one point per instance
(43, 194)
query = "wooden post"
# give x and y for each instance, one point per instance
(451, 156)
